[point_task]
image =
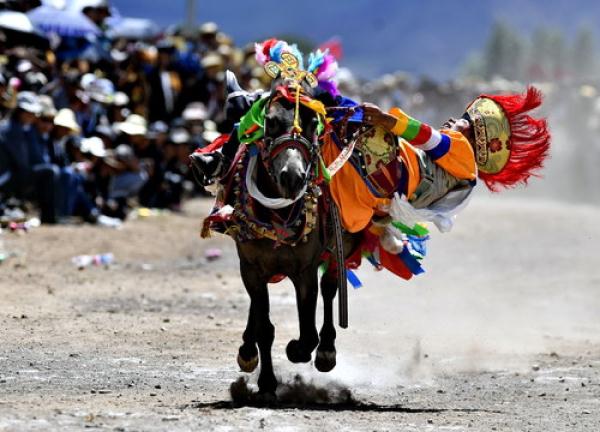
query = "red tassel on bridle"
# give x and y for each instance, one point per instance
(529, 140)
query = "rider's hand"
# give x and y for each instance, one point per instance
(459, 125)
(372, 114)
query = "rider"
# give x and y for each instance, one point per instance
(426, 175)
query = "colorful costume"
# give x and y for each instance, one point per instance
(387, 182)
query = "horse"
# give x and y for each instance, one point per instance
(285, 173)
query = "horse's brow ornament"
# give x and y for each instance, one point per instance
(288, 68)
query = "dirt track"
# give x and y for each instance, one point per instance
(501, 333)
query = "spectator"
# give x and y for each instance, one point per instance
(74, 136)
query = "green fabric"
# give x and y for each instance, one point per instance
(412, 130)
(254, 116)
(320, 125)
(324, 170)
(417, 230)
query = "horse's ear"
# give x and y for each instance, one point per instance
(231, 83)
(324, 96)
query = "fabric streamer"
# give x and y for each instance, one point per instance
(441, 213)
(411, 262)
(353, 279)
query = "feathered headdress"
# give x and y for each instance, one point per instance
(510, 145)
(324, 66)
(320, 63)
(271, 50)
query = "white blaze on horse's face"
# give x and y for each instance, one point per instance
(291, 168)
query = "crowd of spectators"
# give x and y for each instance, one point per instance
(90, 127)
(89, 136)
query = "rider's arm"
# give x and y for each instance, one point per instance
(448, 148)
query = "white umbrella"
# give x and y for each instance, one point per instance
(133, 28)
(17, 21)
(62, 22)
(20, 30)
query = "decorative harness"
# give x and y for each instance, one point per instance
(246, 214)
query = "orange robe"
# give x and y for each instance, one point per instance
(357, 203)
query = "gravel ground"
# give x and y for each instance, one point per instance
(501, 333)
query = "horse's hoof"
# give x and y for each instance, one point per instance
(266, 398)
(266, 386)
(325, 361)
(247, 365)
(296, 353)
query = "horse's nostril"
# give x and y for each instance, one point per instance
(292, 181)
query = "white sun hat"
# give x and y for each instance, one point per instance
(66, 118)
(94, 146)
(134, 124)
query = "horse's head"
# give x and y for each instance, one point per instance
(290, 138)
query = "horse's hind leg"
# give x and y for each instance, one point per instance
(264, 332)
(325, 358)
(307, 289)
(248, 354)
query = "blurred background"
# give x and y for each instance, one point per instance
(102, 100)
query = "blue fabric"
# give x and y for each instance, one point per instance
(373, 261)
(411, 262)
(345, 102)
(418, 244)
(353, 279)
(441, 149)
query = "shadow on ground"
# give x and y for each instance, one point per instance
(303, 395)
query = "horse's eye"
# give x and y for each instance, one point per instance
(271, 124)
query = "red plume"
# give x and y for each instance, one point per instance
(267, 45)
(529, 140)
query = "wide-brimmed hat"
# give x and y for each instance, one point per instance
(179, 136)
(66, 118)
(28, 101)
(101, 90)
(120, 99)
(212, 60)
(195, 111)
(208, 28)
(86, 80)
(48, 108)
(94, 146)
(134, 124)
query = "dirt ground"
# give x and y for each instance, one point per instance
(501, 333)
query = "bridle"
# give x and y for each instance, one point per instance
(293, 138)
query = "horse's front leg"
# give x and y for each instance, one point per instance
(264, 332)
(307, 288)
(248, 354)
(325, 358)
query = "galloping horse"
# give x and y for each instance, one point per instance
(285, 169)
(283, 217)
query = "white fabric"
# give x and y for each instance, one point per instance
(391, 240)
(272, 203)
(432, 142)
(441, 213)
(165, 82)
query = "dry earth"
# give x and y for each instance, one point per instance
(501, 333)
